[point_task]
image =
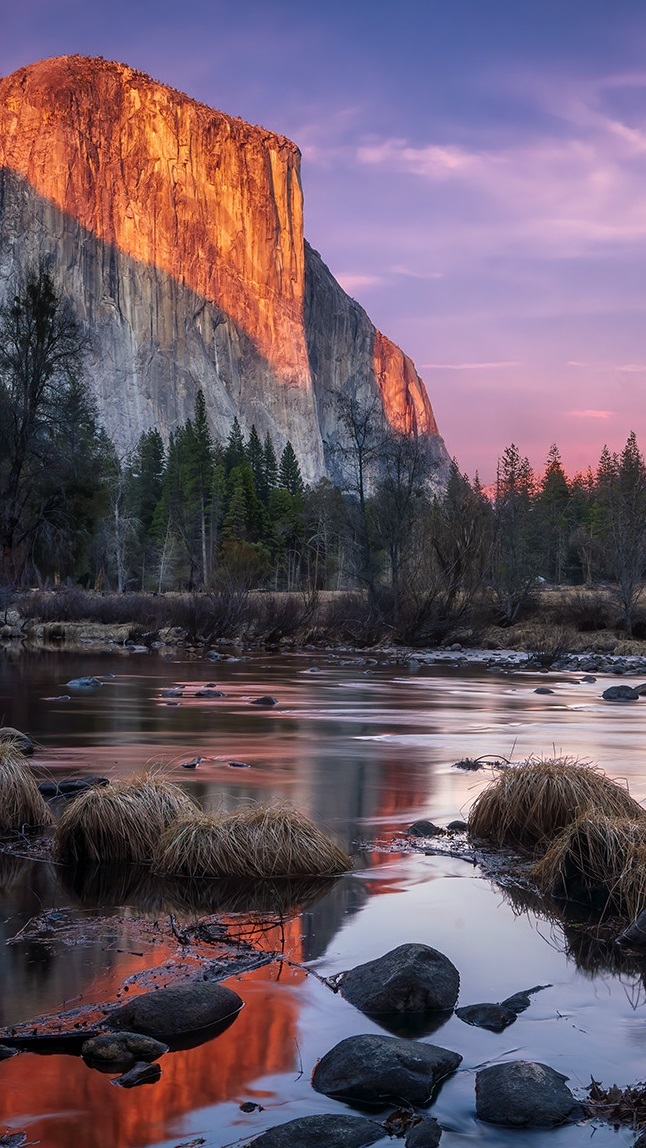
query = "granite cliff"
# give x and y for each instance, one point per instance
(178, 233)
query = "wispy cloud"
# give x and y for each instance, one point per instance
(591, 414)
(619, 368)
(351, 281)
(470, 366)
(399, 269)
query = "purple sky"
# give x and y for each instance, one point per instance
(474, 174)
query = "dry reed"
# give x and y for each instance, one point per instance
(258, 841)
(597, 860)
(120, 822)
(529, 804)
(21, 803)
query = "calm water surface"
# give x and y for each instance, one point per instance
(364, 749)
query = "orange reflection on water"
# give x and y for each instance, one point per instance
(58, 1096)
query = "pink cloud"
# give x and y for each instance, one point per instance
(591, 414)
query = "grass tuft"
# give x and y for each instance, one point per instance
(258, 841)
(120, 822)
(21, 803)
(529, 804)
(597, 860)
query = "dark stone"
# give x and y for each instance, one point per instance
(494, 1017)
(634, 936)
(620, 694)
(140, 1073)
(327, 1131)
(250, 1106)
(24, 743)
(210, 694)
(238, 764)
(518, 1002)
(70, 787)
(525, 1093)
(375, 1069)
(588, 680)
(543, 690)
(410, 978)
(425, 1134)
(173, 1011)
(6, 1052)
(641, 690)
(84, 684)
(192, 764)
(457, 826)
(177, 692)
(122, 1049)
(265, 700)
(425, 829)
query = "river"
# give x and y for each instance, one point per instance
(364, 747)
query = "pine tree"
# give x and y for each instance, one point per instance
(270, 469)
(289, 473)
(553, 516)
(255, 458)
(234, 451)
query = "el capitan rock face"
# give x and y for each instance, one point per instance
(178, 233)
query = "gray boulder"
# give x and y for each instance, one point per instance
(265, 701)
(620, 694)
(376, 1069)
(425, 1134)
(121, 1050)
(174, 1012)
(328, 1131)
(525, 1093)
(410, 978)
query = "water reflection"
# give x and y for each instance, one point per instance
(365, 757)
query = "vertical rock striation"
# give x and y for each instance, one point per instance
(178, 233)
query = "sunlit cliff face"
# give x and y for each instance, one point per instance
(179, 231)
(209, 200)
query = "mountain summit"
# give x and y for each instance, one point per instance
(177, 231)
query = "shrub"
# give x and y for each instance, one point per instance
(258, 841)
(528, 804)
(21, 803)
(120, 822)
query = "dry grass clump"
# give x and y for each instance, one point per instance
(120, 822)
(259, 841)
(22, 806)
(528, 804)
(597, 860)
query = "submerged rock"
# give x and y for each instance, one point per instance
(635, 935)
(424, 829)
(84, 684)
(376, 1069)
(24, 743)
(265, 701)
(620, 694)
(208, 693)
(140, 1073)
(410, 978)
(122, 1049)
(425, 1134)
(70, 786)
(494, 1017)
(331, 1130)
(525, 1093)
(6, 1053)
(176, 1011)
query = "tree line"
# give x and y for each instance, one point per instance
(192, 513)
